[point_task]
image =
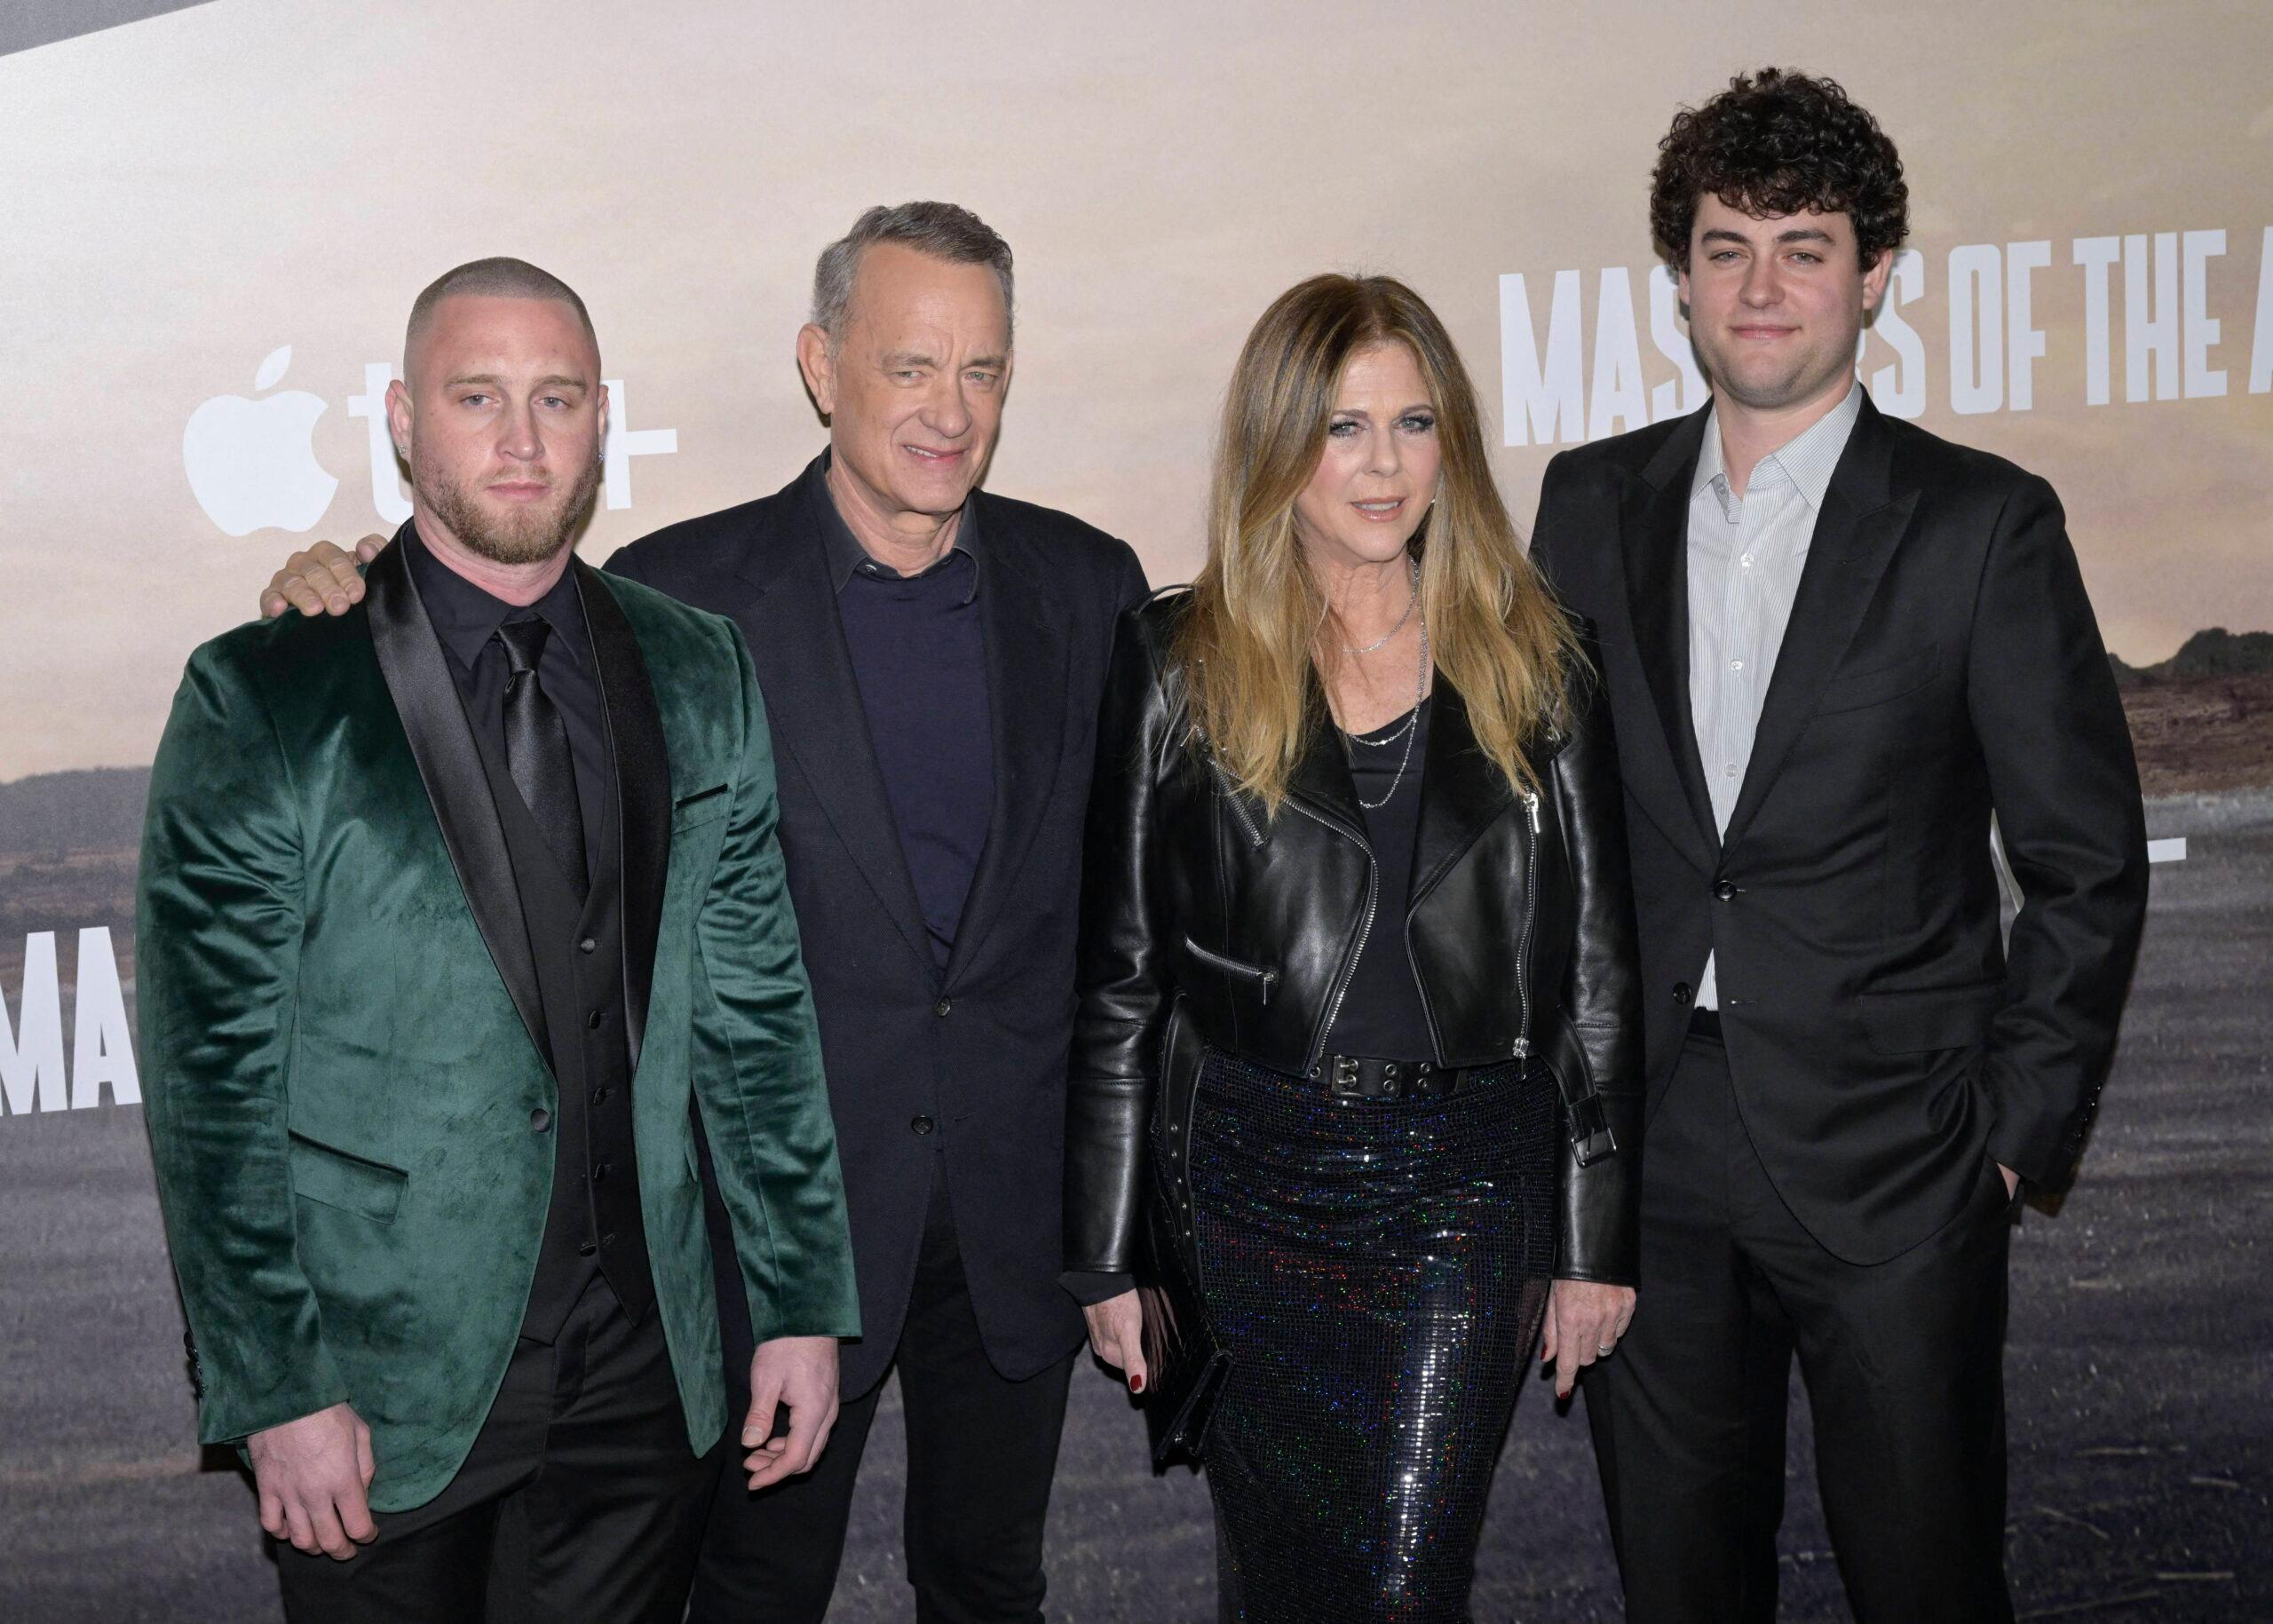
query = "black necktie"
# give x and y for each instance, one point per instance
(536, 748)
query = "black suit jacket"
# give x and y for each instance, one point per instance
(979, 1051)
(1942, 665)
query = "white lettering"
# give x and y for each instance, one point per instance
(2261, 353)
(1976, 329)
(2203, 381)
(1542, 404)
(625, 442)
(1679, 397)
(2150, 341)
(102, 1046)
(386, 483)
(1899, 388)
(2023, 339)
(31, 1054)
(1620, 393)
(2095, 255)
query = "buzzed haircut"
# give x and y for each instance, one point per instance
(1779, 142)
(944, 231)
(498, 278)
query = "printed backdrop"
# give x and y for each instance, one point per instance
(218, 214)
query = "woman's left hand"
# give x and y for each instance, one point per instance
(1584, 1321)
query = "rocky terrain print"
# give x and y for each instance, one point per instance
(2137, 1365)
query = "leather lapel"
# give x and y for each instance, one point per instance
(1320, 782)
(643, 787)
(1862, 522)
(426, 697)
(1653, 533)
(1026, 696)
(813, 705)
(1461, 793)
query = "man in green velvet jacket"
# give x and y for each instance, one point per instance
(464, 940)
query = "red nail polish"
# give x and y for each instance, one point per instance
(1135, 1384)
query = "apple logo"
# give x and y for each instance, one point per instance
(251, 463)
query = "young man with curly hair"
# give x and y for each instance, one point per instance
(1837, 646)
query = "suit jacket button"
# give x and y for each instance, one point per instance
(1724, 891)
(1682, 993)
(943, 1007)
(539, 1120)
(588, 945)
(921, 1125)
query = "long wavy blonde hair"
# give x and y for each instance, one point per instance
(1254, 638)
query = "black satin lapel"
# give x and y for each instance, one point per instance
(1461, 793)
(1849, 553)
(1653, 530)
(813, 705)
(427, 700)
(642, 788)
(1026, 698)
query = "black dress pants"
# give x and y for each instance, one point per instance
(579, 1500)
(1903, 1363)
(981, 1453)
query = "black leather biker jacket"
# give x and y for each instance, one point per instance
(1203, 924)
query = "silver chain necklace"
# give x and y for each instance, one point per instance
(1410, 730)
(1383, 641)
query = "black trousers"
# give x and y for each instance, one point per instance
(1903, 1362)
(981, 1453)
(579, 1500)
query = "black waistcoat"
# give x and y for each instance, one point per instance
(593, 1223)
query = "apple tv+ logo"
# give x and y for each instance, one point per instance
(252, 464)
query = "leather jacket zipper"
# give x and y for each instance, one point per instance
(1365, 927)
(1531, 910)
(1265, 978)
(1230, 794)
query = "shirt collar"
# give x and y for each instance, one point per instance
(465, 617)
(847, 557)
(1809, 461)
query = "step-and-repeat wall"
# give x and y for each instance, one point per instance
(217, 216)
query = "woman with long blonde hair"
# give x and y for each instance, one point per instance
(1355, 1087)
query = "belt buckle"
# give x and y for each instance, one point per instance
(1343, 1083)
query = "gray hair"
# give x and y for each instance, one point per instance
(496, 278)
(944, 231)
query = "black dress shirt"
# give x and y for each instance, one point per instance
(466, 619)
(919, 659)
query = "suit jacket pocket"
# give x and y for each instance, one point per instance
(703, 806)
(335, 1178)
(1856, 690)
(1911, 1020)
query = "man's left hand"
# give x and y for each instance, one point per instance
(799, 1373)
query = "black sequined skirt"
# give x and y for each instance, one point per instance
(1379, 1271)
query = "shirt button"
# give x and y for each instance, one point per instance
(539, 1120)
(1729, 769)
(921, 1125)
(588, 945)
(1745, 560)
(585, 1248)
(1736, 665)
(943, 1007)
(599, 1096)
(592, 1021)
(600, 1172)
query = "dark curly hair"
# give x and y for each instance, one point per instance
(1779, 142)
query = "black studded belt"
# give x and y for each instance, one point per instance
(1349, 1077)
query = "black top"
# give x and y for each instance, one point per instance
(918, 660)
(466, 619)
(1382, 1016)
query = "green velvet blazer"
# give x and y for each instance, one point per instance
(337, 1009)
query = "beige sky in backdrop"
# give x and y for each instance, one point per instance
(189, 193)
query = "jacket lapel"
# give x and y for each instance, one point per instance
(426, 697)
(1856, 534)
(1461, 793)
(643, 787)
(1026, 696)
(1320, 782)
(813, 705)
(1653, 533)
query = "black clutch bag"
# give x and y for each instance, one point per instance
(1186, 1367)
